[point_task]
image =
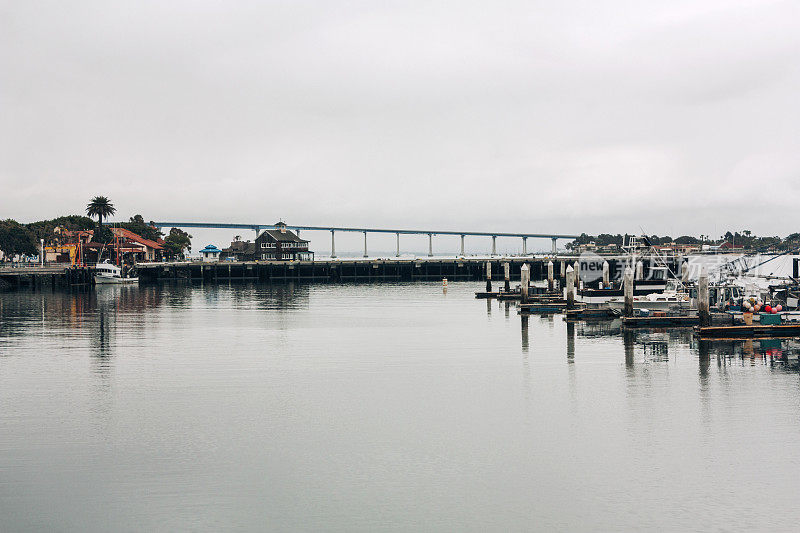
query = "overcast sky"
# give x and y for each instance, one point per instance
(675, 117)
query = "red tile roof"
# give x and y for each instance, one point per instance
(131, 236)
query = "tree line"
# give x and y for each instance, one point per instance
(18, 239)
(744, 240)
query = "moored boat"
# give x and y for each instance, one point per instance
(108, 273)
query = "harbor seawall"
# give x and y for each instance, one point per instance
(342, 270)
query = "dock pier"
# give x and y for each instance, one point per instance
(339, 270)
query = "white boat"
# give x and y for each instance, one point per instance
(107, 273)
(670, 299)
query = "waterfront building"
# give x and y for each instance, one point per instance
(142, 249)
(239, 250)
(281, 244)
(210, 253)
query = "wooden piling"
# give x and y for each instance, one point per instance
(550, 282)
(577, 272)
(702, 299)
(488, 276)
(507, 277)
(639, 270)
(525, 278)
(570, 287)
(628, 291)
(606, 274)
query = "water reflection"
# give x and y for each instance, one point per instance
(524, 324)
(570, 342)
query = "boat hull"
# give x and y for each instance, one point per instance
(105, 280)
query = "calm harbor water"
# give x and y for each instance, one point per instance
(380, 407)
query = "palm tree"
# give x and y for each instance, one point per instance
(100, 207)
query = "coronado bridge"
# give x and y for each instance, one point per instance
(258, 228)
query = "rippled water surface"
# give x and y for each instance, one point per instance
(380, 407)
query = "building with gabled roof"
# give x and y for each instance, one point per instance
(147, 250)
(280, 244)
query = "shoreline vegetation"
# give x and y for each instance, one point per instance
(21, 242)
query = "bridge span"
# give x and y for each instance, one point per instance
(333, 229)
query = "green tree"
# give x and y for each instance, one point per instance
(15, 238)
(45, 229)
(142, 228)
(100, 207)
(176, 242)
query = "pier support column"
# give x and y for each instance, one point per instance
(570, 287)
(524, 246)
(430, 244)
(398, 245)
(507, 276)
(577, 267)
(494, 244)
(627, 289)
(525, 279)
(365, 245)
(555, 246)
(702, 299)
(333, 245)
(550, 281)
(462, 246)
(606, 274)
(488, 276)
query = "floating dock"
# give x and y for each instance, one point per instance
(591, 313)
(543, 307)
(783, 330)
(660, 321)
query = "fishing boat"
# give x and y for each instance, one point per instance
(108, 273)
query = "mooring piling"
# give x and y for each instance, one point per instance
(606, 274)
(488, 276)
(550, 281)
(525, 279)
(577, 268)
(628, 291)
(570, 287)
(702, 299)
(507, 277)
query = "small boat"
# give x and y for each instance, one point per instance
(108, 273)
(670, 299)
